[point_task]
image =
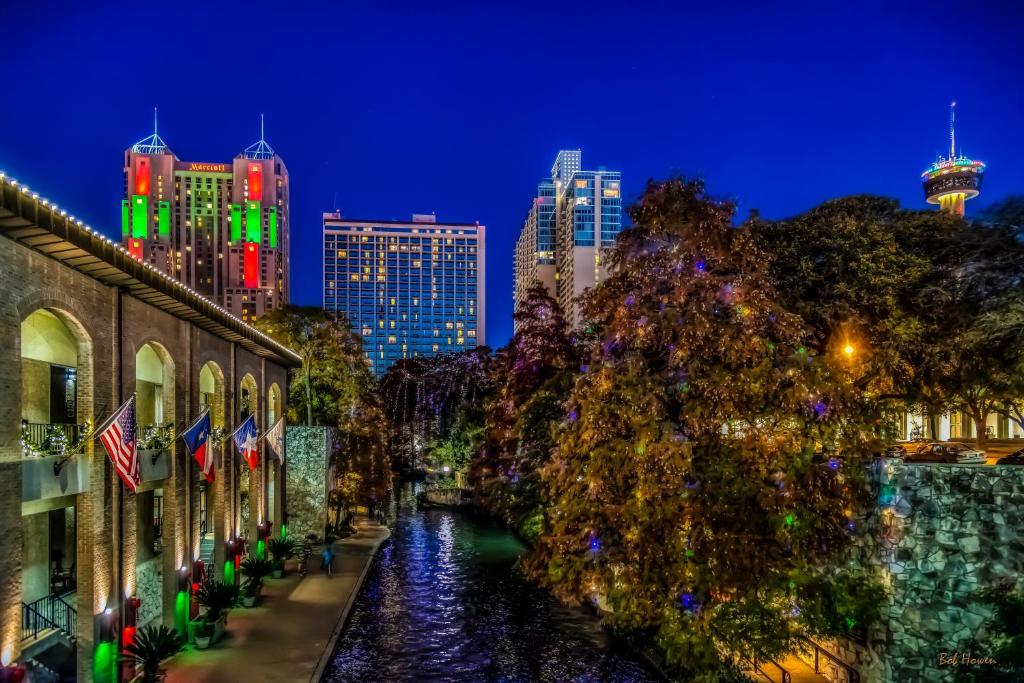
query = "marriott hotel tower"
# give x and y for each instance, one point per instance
(221, 228)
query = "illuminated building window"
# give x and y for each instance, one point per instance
(342, 253)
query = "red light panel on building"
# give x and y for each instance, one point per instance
(135, 249)
(141, 175)
(255, 182)
(251, 265)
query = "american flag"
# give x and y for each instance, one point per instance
(119, 440)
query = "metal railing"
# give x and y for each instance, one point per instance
(48, 612)
(852, 675)
(786, 678)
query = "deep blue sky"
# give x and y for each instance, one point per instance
(460, 109)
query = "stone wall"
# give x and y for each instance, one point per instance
(308, 451)
(149, 575)
(940, 533)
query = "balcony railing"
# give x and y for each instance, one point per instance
(36, 434)
(48, 612)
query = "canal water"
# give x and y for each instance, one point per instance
(444, 601)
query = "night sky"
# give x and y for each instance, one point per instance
(460, 109)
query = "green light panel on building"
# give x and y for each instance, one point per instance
(140, 204)
(253, 224)
(126, 217)
(236, 223)
(164, 219)
(272, 226)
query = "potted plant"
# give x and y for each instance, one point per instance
(217, 597)
(203, 634)
(150, 647)
(255, 569)
(281, 549)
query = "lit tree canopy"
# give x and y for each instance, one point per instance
(699, 487)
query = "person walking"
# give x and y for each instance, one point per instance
(328, 558)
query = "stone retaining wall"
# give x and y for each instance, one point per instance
(940, 533)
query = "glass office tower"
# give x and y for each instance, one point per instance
(408, 289)
(574, 219)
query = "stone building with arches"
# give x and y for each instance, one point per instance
(85, 326)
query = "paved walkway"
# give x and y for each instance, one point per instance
(799, 672)
(287, 638)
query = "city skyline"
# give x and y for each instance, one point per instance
(779, 134)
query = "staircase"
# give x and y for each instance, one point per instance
(206, 552)
(48, 632)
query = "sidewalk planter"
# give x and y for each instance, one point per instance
(251, 600)
(203, 633)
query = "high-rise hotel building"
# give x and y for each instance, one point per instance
(573, 220)
(409, 288)
(221, 228)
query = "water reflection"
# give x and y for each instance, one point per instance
(443, 602)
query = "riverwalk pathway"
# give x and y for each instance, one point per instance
(288, 638)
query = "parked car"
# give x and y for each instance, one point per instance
(887, 449)
(894, 450)
(1015, 458)
(947, 452)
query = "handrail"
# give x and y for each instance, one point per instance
(786, 678)
(49, 611)
(852, 675)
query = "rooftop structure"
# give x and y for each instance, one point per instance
(951, 181)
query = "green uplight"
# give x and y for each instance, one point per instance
(789, 520)
(181, 612)
(229, 571)
(104, 663)
(284, 531)
(261, 548)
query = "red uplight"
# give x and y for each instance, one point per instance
(255, 182)
(141, 175)
(135, 249)
(127, 636)
(251, 265)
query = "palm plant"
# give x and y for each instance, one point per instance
(256, 569)
(152, 645)
(217, 597)
(281, 548)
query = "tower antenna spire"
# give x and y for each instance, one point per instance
(952, 130)
(259, 149)
(154, 120)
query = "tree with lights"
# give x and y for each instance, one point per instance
(334, 388)
(335, 375)
(923, 300)
(699, 487)
(530, 379)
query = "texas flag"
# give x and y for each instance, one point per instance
(196, 438)
(245, 439)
